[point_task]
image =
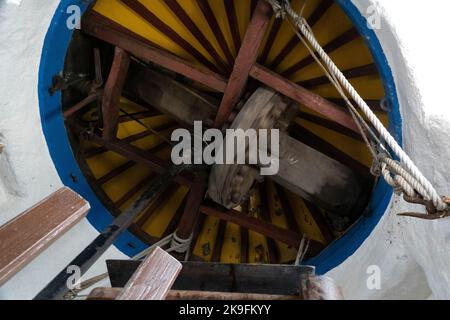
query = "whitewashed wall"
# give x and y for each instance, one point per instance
(413, 256)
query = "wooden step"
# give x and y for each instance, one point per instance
(26, 236)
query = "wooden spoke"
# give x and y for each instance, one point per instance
(190, 214)
(320, 221)
(165, 29)
(132, 138)
(310, 139)
(265, 215)
(246, 58)
(215, 27)
(134, 190)
(178, 10)
(375, 105)
(218, 243)
(174, 222)
(330, 125)
(233, 23)
(287, 209)
(128, 165)
(333, 45)
(270, 40)
(283, 235)
(162, 198)
(244, 236)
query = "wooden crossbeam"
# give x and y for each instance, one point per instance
(105, 29)
(247, 56)
(303, 96)
(267, 229)
(25, 237)
(153, 279)
(139, 156)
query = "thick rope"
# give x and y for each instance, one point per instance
(426, 189)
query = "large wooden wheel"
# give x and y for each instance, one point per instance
(223, 50)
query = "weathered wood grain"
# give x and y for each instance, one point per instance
(25, 237)
(153, 279)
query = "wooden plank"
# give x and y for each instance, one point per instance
(105, 294)
(303, 96)
(269, 230)
(219, 277)
(26, 236)
(246, 58)
(153, 279)
(167, 31)
(113, 92)
(215, 27)
(182, 15)
(100, 27)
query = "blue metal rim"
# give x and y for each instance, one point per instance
(52, 62)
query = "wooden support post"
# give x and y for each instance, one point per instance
(191, 210)
(153, 279)
(267, 229)
(113, 92)
(25, 237)
(305, 97)
(247, 56)
(102, 28)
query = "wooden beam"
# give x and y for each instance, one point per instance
(265, 215)
(233, 23)
(102, 28)
(105, 294)
(190, 214)
(246, 58)
(113, 92)
(315, 142)
(138, 155)
(269, 230)
(270, 40)
(303, 96)
(153, 279)
(361, 71)
(330, 125)
(182, 15)
(26, 236)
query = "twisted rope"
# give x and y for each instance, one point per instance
(419, 182)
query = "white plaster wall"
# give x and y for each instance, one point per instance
(413, 255)
(27, 172)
